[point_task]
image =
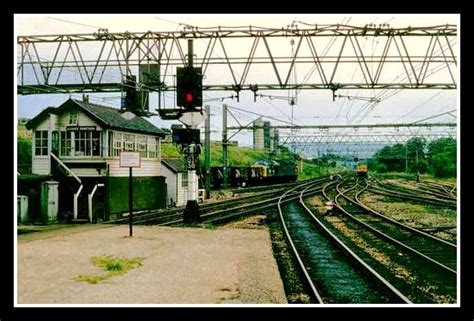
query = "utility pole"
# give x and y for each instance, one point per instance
(406, 157)
(207, 151)
(319, 166)
(224, 147)
(417, 170)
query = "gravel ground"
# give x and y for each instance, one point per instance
(180, 266)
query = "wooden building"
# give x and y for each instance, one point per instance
(79, 143)
(174, 170)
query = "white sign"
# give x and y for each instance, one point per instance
(192, 119)
(130, 159)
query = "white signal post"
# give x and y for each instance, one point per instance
(192, 120)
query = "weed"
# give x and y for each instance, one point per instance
(115, 266)
(112, 265)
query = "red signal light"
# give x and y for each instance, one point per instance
(189, 97)
(188, 87)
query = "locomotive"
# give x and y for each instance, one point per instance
(260, 173)
(361, 170)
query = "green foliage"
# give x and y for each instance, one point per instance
(236, 155)
(442, 156)
(437, 158)
(389, 159)
(416, 147)
(91, 279)
(316, 167)
(444, 164)
(24, 144)
(311, 169)
(441, 145)
(117, 265)
(169, 150)
(114, 266)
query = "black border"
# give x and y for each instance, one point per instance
(465, 312)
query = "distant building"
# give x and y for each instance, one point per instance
(78, 144)
(258, 141)
(265, 136)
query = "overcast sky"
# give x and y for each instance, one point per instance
(313, 106)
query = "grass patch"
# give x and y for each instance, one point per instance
(209, 226)
(311, 170)
(412, 177)
(116, 265)
(91, 279)
(112, 265)
(238, 155)
(414, 215)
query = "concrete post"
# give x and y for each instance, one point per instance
(224, 147)
(207, 152)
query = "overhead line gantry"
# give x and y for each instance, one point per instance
(99, 62)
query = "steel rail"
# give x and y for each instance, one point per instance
(295, 251)
(404, 226)
(384, 235)
(354, 256)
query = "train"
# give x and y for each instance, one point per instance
(260, 173)
(361, 170)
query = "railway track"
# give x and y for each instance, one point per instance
(419, 230)
(448, 188)
(436, 251)
(443, 227)
(334, 266)
(423, 279)
(412, 196)
(333, 272)
(423, 187)
(215, 212)
(164, 215)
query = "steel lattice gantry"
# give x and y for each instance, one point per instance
(356, 143)
(366, 138)
(235, 58)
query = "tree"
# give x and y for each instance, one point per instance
(443, 165)
(438, 157)
(442, 157)
(390, 159)
(416, 153)
(440, 146)
(24, 144)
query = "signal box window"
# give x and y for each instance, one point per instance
(41, 142)
(73, 118)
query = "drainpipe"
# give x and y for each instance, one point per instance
(90, 197)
